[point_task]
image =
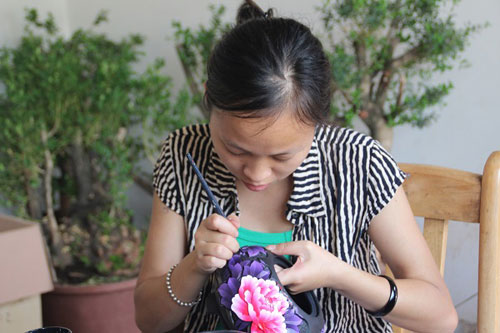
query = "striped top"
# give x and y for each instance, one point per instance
(344, 181)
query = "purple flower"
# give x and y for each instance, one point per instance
(292, 321)
(228, 290)
(241, 325)
(256, 268)
(236, 258)
(235, 269)
(253, 251)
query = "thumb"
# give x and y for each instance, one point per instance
(287, 248)
(285, 276)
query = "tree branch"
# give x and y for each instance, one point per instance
(144, 184)
(383, 86)
(344, 93)
(47, 181)
(409, 56)
(402, 84)
(62, 258)
(392, 67)
(81, 212)
(399, 109)
(394, 26)
(193, 86)
(372, 115)
(64, 164)
(360, 51)
(57, 122)
(34, 209)
(82, 169)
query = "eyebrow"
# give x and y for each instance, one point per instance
(234, 145)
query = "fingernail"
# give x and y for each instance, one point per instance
(271, 247)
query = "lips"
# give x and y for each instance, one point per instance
(256, 188)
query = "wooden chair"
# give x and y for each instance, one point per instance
(440, 194)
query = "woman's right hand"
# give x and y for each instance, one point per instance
(215, 242)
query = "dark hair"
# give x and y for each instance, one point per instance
(264, 64)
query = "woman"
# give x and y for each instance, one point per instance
(287, 180)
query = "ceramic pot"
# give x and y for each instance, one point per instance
(87, 309)
(52, 329)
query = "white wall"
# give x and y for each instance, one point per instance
(12, 17)
(463, 136)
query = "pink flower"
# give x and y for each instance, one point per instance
(259, 301)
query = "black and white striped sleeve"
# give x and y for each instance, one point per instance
(384, 178)
(165, 178)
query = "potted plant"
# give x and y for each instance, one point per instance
(71, 113)
(385, 57)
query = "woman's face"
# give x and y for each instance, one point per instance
(259, 154)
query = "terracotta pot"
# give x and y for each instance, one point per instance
(105, 308)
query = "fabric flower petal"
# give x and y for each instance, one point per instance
(254, 251)
(292, 321)
(227, 291)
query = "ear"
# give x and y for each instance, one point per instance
(205, 86)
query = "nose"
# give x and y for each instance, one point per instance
(257, 171)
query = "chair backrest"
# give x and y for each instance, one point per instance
(440, 194)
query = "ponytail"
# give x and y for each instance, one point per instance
(249, 10)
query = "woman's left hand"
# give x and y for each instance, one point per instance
(310, 271)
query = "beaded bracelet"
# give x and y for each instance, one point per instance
(169, 287)
(393, 297)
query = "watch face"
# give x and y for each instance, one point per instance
(250, 297)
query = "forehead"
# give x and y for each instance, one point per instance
(269, 135)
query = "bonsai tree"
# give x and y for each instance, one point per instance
(383, 55)
(70, 113)
(384, 58)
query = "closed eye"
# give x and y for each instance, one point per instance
(282, 158)
(239, 153)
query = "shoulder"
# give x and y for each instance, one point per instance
(335, 137)
(193, 139)
(351, 151)
(184, 139)
(190, 132)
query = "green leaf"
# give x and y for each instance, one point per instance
(366, 39)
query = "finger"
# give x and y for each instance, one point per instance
(288, 248)
(227, 240)
(217, 250)
(293, 289)
(212, 263)
(278, 268)
(289, 278)
(235, 220)
(218, 223)
(232, 244)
